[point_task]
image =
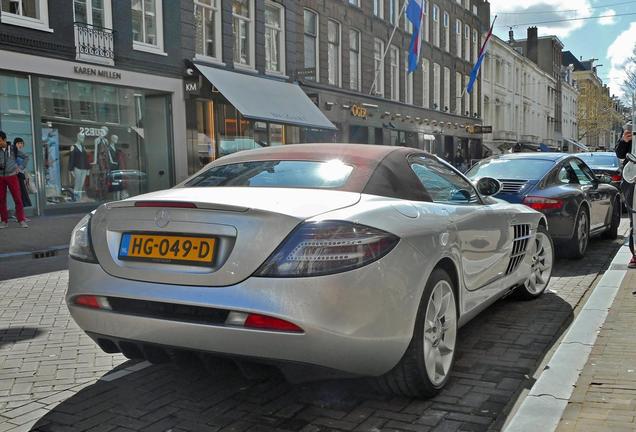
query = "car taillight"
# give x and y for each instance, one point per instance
(617, 178)
(92, 302)
(320, 248)
(542, 203)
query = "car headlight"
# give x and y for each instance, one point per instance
(322, 248)
(81, 247)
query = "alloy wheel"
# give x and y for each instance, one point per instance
(440, 332)
(541, 267)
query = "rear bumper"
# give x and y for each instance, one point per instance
(359, 322)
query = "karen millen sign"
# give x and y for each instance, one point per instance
(91, 71)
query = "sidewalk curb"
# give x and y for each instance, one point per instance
(545, 403)
(27, 253)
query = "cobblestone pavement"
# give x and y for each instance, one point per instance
(605, 395)
(52, 375)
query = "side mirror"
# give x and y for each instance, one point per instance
(488, 186)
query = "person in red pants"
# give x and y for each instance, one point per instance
(9, 179)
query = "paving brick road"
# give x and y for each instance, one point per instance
(54, 378)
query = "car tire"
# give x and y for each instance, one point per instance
(541, 267)
(612, 231)
(425, 366)
(577, 245)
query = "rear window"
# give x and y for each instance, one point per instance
(600, 160)
(511, 169)
(290, 174)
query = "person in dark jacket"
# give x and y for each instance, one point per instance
(623, 147)
(22, 162)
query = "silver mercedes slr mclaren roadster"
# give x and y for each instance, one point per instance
(324, 260)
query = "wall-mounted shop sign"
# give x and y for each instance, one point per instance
(359, 111)
(91, 71)
(192, 86)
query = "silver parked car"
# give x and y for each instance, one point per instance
(322, 259)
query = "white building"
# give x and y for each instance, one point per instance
(569, 108)
(518, 100)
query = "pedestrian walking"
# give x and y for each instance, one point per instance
(22, 160)
(9, 179)
(623, 147)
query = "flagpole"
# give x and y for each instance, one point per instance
(388, 45)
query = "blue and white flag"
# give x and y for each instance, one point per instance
(414, 13)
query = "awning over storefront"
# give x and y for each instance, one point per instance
(265, 99)
(579, 145)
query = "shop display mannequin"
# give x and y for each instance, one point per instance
(78, 166)
(101, 163)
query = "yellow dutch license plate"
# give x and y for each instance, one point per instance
(169, 249)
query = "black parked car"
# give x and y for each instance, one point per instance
(577, 203)
(604, 164)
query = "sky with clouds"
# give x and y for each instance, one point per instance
(610, 39)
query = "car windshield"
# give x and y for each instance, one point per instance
(513, 169)
(292, 174)
(595, 160)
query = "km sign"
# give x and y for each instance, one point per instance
(192, 86)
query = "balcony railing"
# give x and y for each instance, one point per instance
(94, 44)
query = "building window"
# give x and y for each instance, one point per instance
(274, 37)
(467, 4)
(354, 2)
(436, 29)
(446, 32)
(207, 18)
(425, 34)
(437, 86)
(426, 83)
(408, 81)
(447, 93)
(243, 30)
(458, 38)
(378, 8)
(466, 97)
(27, 13)
(93, 12)
(147, 25)
(458, 93)
(378, 66)
(474, 94)
(394, 73)
(333, 52)
(475, 51)
(354, 60)
(311, 42)
(394, 11)
(466, 42)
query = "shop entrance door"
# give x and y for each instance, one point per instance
(358, 134)
(157, 133)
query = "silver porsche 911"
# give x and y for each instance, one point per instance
(324, 260)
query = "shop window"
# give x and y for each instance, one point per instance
(99, 149)
(147, 25)
(354, 60)
(333, 52)
(274, 37)
(311, 42)
(15, 121)
(207, 18)
(55, 98)
(243, 30)
(27, 13)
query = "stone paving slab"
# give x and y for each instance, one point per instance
(50, 372)
(605, 395)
